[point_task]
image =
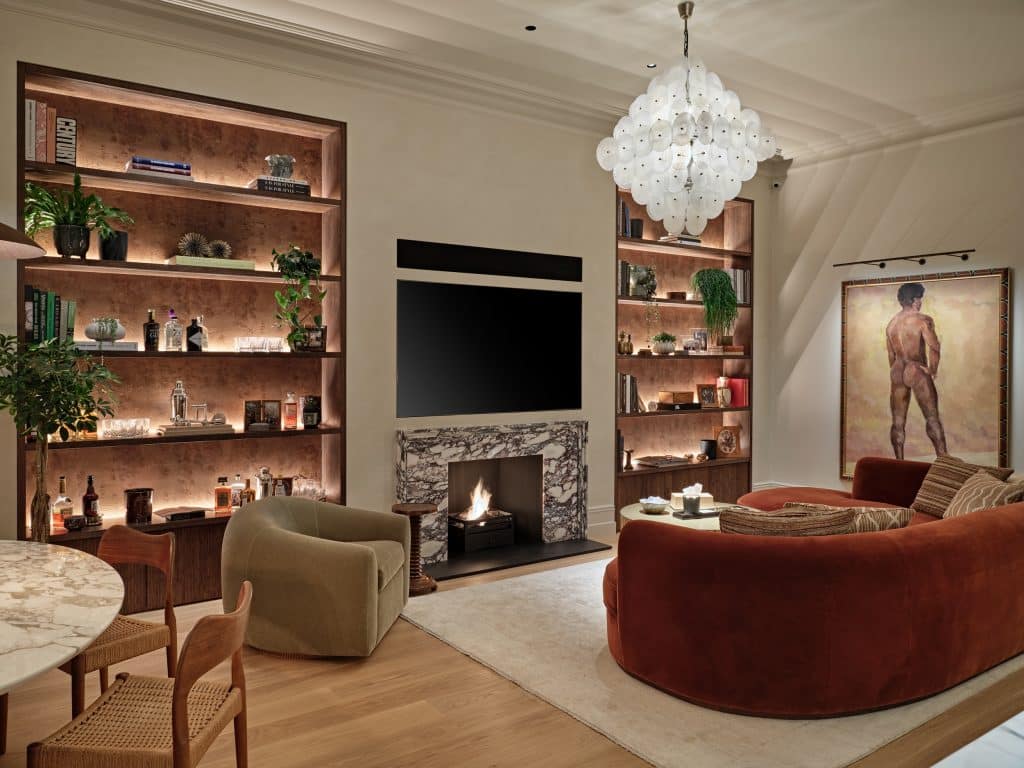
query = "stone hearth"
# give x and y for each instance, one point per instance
(422, 473)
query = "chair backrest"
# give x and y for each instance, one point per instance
(122, 545)
(211, 641)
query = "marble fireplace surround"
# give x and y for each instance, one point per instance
(422, 473)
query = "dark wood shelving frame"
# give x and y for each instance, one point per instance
(692, 412)
(199, 540)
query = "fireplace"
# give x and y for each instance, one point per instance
(495, 503)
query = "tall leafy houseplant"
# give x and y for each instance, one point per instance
(720, 306)
(50, 388)
(299, 304)
(71, 214)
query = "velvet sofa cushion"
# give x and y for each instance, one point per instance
(944, 479)
(892, 481)
(776, 498)
(790, 521)
(982, 491)
(865, 519)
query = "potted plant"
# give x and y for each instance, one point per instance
(299, 304)
(51, 388)
(663, 343)
(72, 215)
(719, 297)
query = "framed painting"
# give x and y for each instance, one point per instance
(925, 368)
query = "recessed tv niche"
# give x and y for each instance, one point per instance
(482, 349)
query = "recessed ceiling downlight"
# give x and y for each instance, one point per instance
(530, 27)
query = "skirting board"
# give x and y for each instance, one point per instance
(600, 517)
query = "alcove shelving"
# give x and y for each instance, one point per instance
(727, 243)
(226, 143)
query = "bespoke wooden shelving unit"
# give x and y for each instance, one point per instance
(226, 143)
(728, 241)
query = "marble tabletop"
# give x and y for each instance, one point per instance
(54, 601)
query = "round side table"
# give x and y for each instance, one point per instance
(419, 582)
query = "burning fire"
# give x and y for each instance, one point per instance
(480, 501)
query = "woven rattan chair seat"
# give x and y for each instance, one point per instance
(129, 726)
(124, 639)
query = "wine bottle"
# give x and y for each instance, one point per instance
(151, 333)
(194, 337)
(90, 503)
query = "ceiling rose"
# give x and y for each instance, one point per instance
(686, 146)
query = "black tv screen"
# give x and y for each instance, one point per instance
(481, 349)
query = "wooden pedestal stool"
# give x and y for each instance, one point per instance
(419, 582)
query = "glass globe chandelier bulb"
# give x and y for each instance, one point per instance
(656, 209)
(607, 153)
(661, 135)
(624, 127)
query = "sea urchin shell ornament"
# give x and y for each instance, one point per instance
(194, 245)
(220, 249)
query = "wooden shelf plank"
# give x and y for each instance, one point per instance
(200, 355)
(683, 357)
(641, 470)
(159, 440)
(157, 270)
(670, 302)
(683, 249)
(694, 412)
(174, 186)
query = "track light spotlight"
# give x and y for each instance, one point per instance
(881, 265)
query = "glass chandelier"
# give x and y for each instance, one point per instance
(686, 146)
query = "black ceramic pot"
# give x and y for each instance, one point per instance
(115, 247)
(709, 448)
(71, 240)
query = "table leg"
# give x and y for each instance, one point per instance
(419, 582)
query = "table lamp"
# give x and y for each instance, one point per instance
(15, 245)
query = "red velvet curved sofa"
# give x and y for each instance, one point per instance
(819, 626)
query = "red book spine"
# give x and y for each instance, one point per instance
(740, 389)
(51, 134)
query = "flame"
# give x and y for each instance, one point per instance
(480, 501)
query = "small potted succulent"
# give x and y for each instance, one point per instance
(299, 304)
(72, 215)
(663, 343)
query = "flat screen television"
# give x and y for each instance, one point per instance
(482, 349)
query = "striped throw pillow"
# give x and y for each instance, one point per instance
(788, 522)
(944, 479)
(982, 491)
(865, 519)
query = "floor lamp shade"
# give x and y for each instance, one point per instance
(15, 245)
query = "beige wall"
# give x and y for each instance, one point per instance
(962, 190)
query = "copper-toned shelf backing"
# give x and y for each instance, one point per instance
(692, 412)
(158, 270)
(175, 187)
(291, 433)
(698, 251)
(641, 470)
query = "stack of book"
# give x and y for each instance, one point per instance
(280, 185)
(740, 389)
(622, 219)
(740, 283)
(152, 167)
(48, 138)
(628, 396)
(48, 316)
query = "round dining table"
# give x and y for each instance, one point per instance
(54, 601)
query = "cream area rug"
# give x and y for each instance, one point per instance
(546, 633)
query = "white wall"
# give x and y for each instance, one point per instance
(960, 190)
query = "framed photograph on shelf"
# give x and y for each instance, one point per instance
(707, 395)
(925, 367)
(728, 440)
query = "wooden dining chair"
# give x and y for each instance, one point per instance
(141, 722)
(128, 637)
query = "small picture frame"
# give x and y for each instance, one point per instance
(254, 415)
(707, 395)
(281, 486)
(728, 439)
(272, 414)
(701, 336)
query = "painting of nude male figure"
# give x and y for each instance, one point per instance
(925, 368)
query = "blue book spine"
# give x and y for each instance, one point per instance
(162, 163)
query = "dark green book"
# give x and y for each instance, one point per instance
(37, 315)
(50, 297)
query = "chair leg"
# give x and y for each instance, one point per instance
(3, 723)
(241, 741)
(104, 679)
(77, 686)
(171, 661)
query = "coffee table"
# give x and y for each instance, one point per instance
(708, 522)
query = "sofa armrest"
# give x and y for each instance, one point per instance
(351, 524)
(892, 481)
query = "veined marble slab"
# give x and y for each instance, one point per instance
(54, 601)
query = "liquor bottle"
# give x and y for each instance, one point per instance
(222, 496)
(194, 337)
(206, 335)
(172, 332)
(291, 411)
(151, 334)
(311, 411)
(237, 489)
(63, 507)
(248, 493)
(90, 503)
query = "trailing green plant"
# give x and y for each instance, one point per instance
(719, 297)
(663, 337)
(51, 388)
(300, 302)
(45, 209)
(647, 283)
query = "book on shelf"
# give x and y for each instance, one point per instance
(47, 316)
(51, 134)
(30, 129)
(207, 261)
(628, 395)
(109, 346)
(623, 279)
(740, 279)
(662, 461)
(153, 162)
(41, 131)
(280, 186)
(48, 138)
(682, 238)
(66, 141)
(740, 389)
(157, 170)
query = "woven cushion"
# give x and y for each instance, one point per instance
(129, 726)
(866, 519)
(944, 479)
(794, 521)
(982, 491)
(124, 639)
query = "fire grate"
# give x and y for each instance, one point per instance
(492, 529)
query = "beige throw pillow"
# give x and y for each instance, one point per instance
(944, 479)
(982, 491)
(786, 522)
(866, 519)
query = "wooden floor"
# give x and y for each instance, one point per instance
(419, 702)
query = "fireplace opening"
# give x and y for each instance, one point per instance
(494, 503)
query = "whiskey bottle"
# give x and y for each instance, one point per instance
(194, 337)
(222, 496)
(291, 411)
(311, 412)
(91, 503)
(172, 332)
(151, 333)
(63, 507)
(248, 493)
(237, 489)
